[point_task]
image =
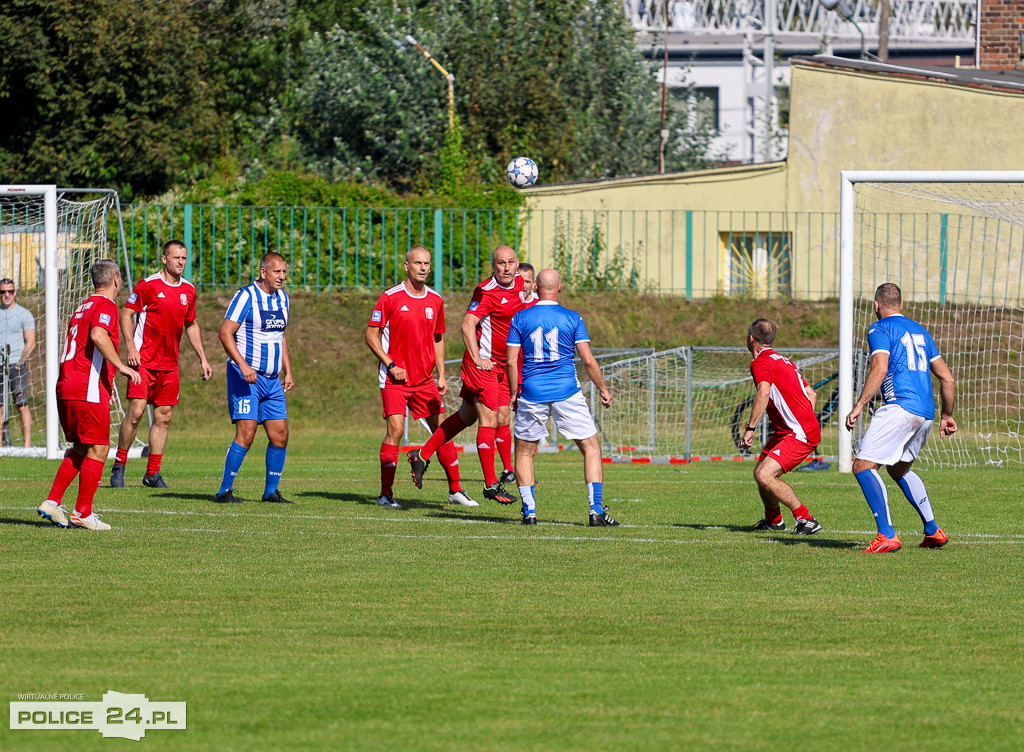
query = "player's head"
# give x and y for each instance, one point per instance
(527, 272)
(417, 264)
(273, 271)
(761, 332)
(7, 291)
(549, 284)
(174, 256)
(504, 262)
(888, 299)
(106, 276)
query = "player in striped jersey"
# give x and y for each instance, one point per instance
(84, 388)
(165, 304)
(254, 339)
(789, 402)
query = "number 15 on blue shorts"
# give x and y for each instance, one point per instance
(261, 401)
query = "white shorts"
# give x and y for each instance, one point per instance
(572, 418)
(894, 435)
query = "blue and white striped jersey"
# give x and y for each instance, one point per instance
(262, 319)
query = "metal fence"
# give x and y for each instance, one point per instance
(696, 254)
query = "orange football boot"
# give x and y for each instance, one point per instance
(937, 539)
(883, 545)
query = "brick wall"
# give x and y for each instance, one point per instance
(1001, 24)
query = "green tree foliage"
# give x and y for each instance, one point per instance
(561, 82)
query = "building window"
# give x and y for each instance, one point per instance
(698, 104)
(782, 101)
(757, 264)
(707, 102)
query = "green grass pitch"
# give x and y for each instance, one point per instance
(336, 624)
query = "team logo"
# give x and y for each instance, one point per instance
(404, 308)
(474, 305)
(184, 299)
(105, 318)
(274, 324)
(132, 298)
(430, 313)
(160, 295)
(504, 300)
(375, 316)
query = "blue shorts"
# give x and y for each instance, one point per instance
(261, 401)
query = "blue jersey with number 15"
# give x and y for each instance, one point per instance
(908, 382)
(547, 334)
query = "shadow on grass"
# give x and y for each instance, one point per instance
(27, 523)
(730, 528)
(813, 541)
(451, 515)
(185, 496)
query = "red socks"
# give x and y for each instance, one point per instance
(388, 467)
(66, 473)
(503, 440)
(91, 474)
(122, 457)
(485, 448)
(802, 513)
(449, 459)
(448, 430)
(153, 466)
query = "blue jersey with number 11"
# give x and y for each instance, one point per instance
(547, 334)
(908, 382)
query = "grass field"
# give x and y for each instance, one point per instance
(336, 624)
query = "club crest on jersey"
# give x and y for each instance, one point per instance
(104, 318)
(132, 298)
(274, 324)
(430, 313)
(184, 299)
(474, 305)
(375, 316)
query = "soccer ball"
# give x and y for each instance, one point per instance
(521, 172)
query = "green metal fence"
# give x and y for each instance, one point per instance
(696, 254)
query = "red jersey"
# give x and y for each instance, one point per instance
(84, 373)
(789, 409)
(409, 325)
(495, 306)
(163, 311)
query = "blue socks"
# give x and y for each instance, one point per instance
(275, 466)
(913, 488)
(529, 502)
(232, 464)
(596, 492)
(874, 491)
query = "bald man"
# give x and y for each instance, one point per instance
(550, 336)
(485, 388)
(406, 333)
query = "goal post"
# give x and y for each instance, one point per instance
(49, 238)
(954, 242)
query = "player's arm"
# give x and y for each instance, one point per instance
(101, 340)
(127, 327)
(376, 345)
(469, 324)
(876, 375)
(947, 393)
(195, 338)
(811, 394)
(227, 338)
(442, 382)
(512, 353)
(593, 372)
(30, 344)
(761, 397)
(286, 365)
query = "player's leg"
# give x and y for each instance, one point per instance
(52, 508)
(162, 415)
(487, 406)
(449, 459)
(451, 427)
(389, 453)
(574, 421)
(914, 489)
(503, 443)
(277, 451)
(525, 451)
(19, 396)
(125, 436)
(89, 477)
(780, 455)
(26, 425)
(244, 408)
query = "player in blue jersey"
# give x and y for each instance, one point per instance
(903, 359)
(253, 337)
(548, 337)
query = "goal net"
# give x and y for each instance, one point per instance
(954, 243)
(49, 238)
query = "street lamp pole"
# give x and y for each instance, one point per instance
(449, 77)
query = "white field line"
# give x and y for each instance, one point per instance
(987, 537)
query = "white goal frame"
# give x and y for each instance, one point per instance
(847, 219)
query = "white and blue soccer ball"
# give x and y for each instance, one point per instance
(522, 172)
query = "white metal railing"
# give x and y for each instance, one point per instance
(911, 21)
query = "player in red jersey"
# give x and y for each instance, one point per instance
(485, 390)
(406, 333)
(789, 401)
(84, 390)
(165, 303)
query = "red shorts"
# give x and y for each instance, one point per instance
(157, 387)
(787, 450)
(84, 422)
(423, 401)
(490, 387)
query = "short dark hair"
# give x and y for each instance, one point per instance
(7, 279)
(889, 296)
(763, 331)
(174, 243)
(271, 256)
(525, 267)
(103, 273)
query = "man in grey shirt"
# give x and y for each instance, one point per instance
(18, 333)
